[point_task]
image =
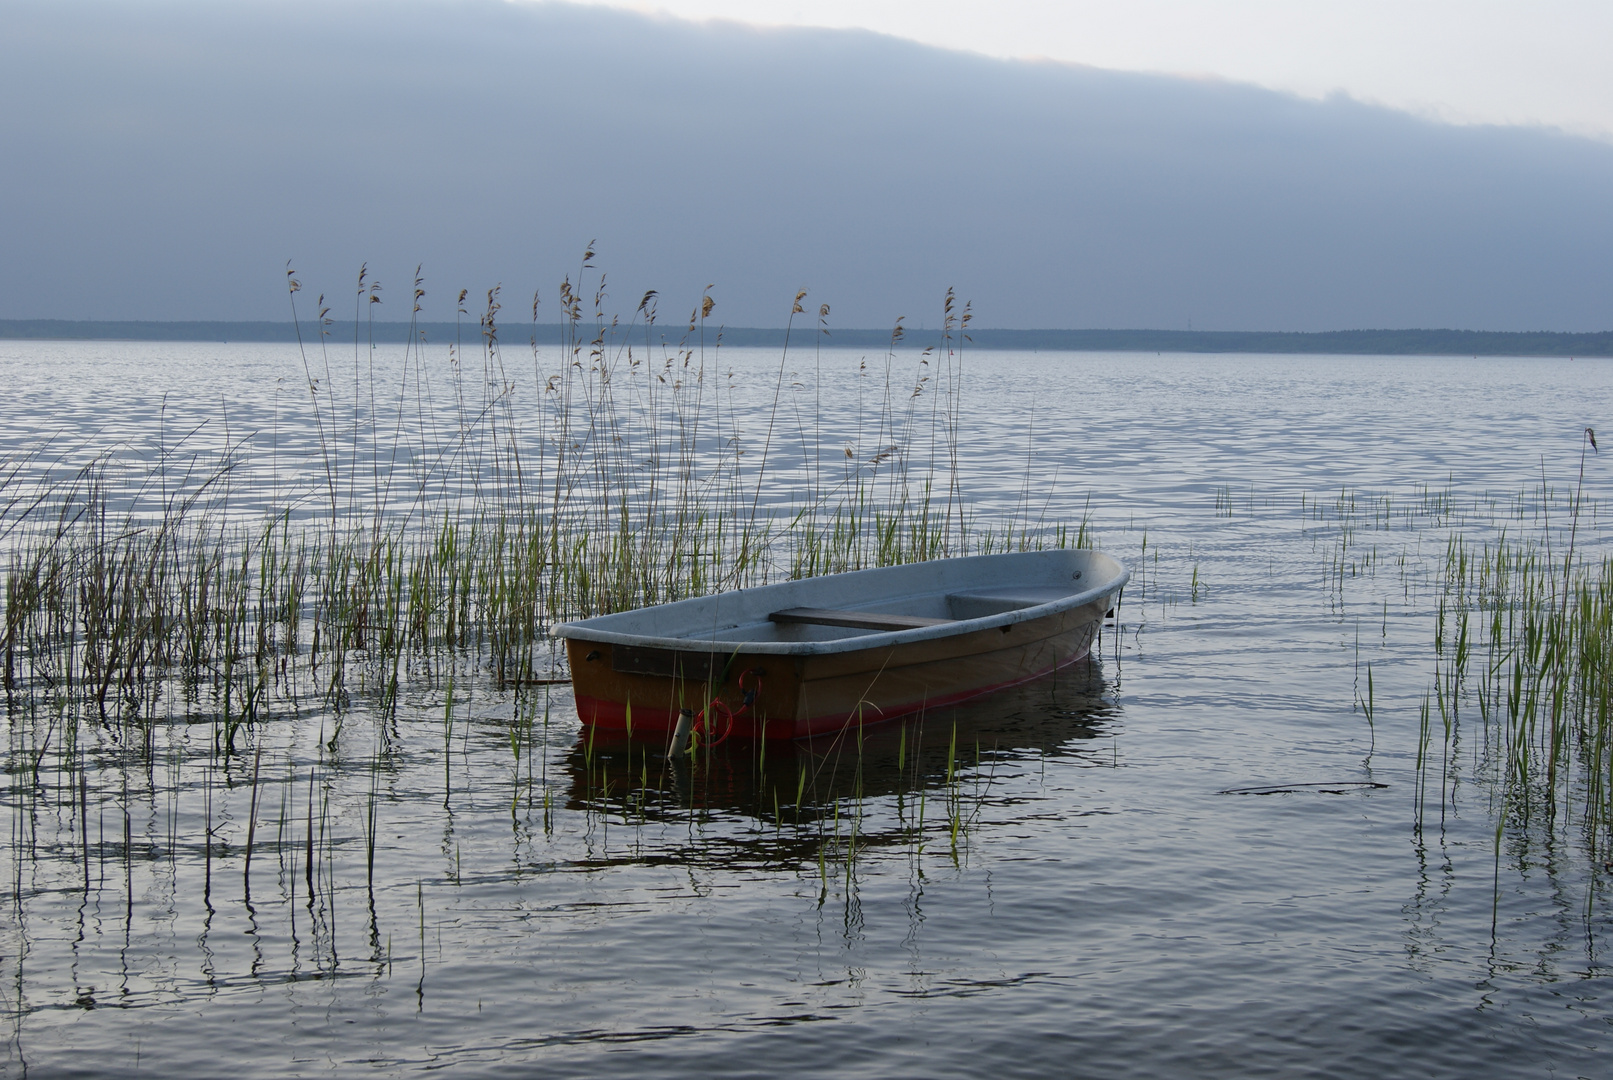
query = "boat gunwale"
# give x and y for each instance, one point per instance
(582, 631)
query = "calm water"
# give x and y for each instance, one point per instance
(1101, 907)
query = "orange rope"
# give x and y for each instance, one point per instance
(729, 714)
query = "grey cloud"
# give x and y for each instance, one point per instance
(164, 160)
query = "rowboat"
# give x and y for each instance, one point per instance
(811, 657)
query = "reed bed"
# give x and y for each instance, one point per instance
(1517, 590)
(222, 645)
(1524, 637)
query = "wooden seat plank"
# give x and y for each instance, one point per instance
(857, 620)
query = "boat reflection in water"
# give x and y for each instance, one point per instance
(886, 785)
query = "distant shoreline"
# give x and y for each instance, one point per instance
(1336, 342)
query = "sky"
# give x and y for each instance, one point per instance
(165, 159)
(1463, 61)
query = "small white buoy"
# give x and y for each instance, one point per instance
(680, 734)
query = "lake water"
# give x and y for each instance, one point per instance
(1084, 897)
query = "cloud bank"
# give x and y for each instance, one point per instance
(164, 160)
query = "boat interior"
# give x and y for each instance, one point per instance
(910, 613)
(865, 602)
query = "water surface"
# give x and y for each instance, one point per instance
(1082, 897)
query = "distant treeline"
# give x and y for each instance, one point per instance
(1349, 342)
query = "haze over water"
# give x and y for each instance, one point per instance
(1103, 906)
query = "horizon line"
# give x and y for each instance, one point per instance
(1379, 341)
